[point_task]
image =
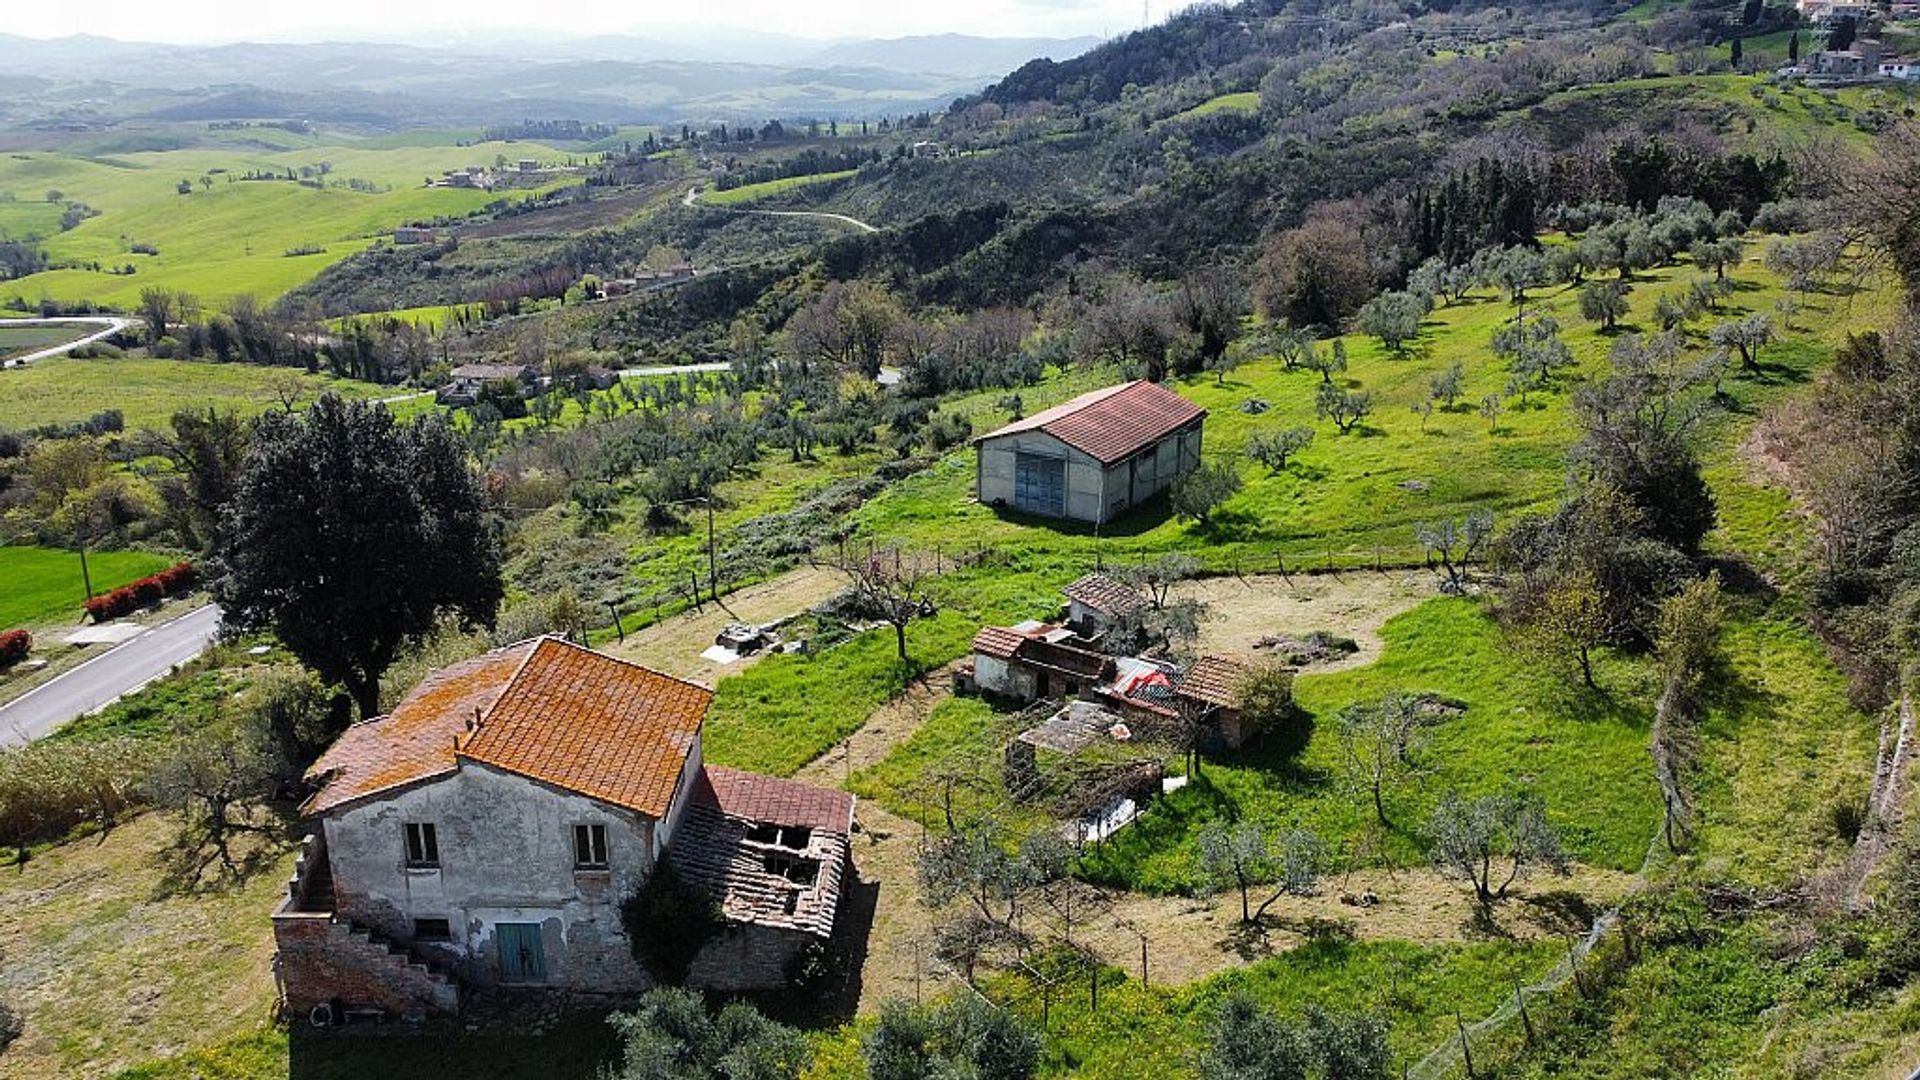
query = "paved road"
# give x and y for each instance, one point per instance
(674, 369)
(693, 199)
(120, 670)
(109, 326)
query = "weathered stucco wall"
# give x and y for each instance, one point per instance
(996, 676)
(506, 856)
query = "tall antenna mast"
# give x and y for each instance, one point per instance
(1146, 15)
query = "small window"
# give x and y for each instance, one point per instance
(590, 847)
(432, 930)
(423, 846)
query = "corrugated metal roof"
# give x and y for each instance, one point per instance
(1111, 423)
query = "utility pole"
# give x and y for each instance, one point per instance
(86, 579)
(713, 563)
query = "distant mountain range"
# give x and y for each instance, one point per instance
(672, 77)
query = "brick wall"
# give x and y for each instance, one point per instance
(322, 959)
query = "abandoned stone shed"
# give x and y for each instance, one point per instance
(1093, 458)
(486, 833)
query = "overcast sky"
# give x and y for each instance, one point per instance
(233, 20)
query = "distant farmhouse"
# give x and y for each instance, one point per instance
(1093, 458)
(412, 234)
(485, 834)
(467, 380)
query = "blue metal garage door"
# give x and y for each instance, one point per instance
(1040, 484)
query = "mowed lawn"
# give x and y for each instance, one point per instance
(63, 390)
(43, 586)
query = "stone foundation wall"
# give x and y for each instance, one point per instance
(748, 957)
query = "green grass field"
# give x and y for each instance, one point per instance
(1244, 102)
(1351, 498)
(147, 392)
(231, 236)
(43, 586)
(16, 340)
(749, 192)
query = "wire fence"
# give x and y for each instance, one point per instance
(1453, 1054)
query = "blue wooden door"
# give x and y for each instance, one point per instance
(521, 958)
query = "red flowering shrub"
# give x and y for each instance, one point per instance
(147, 592)
(14, 647)
(178, 578)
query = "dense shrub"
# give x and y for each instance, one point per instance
(178, 578)
(175, 580)
(14, 647)
(147, 592)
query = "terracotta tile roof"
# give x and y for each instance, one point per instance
(591, 724)
(786, 880)
(415, 740)
(1111, 423)
(773, 801)
(1104, 594)
(1214, 680)
(998, 641)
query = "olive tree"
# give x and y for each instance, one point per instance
(1493, 841)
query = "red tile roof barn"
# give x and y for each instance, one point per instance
(415, 741)
(1105, 595)
(1112, 423)
(1214, 680)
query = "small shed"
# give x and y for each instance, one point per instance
(1093, 458)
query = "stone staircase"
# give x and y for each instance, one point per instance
(324, 957)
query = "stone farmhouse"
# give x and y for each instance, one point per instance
(1093, 458)
(485, 834)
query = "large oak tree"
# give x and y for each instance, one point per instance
(350, 534)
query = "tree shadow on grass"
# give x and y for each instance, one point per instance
(205, 859)
(1560, 912)
(1228, 526)
(1773, 374)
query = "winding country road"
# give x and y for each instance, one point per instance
(693, 200)
(110, 325)
(119, 671)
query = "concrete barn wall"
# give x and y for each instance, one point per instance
(1153, 469)
(994, 472)
(506, 856)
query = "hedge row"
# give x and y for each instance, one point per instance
(14, 647)
(145, 592)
